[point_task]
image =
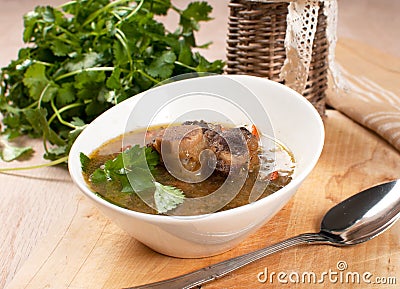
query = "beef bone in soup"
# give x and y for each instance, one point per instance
(231, 146)
(272, 166)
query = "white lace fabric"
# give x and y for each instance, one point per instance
(357, 96)
(302, 21)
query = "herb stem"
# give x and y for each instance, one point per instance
(67, 107)
(32, 105)
(124, 42)
(75, 72)
(66, 41)
(45, 144)
(62, 6)
(185, 65)
(39, 102)
(95, 14)
(70, 34)
(116, 16)
(53, 163)
(42, 63)
(147, 76)
(60, 119)
(134, 11)
(176, 9)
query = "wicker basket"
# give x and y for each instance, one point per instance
(256, 45)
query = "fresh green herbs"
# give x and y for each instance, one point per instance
(10, 152)
(167, 197)
(130, 171)
(86, 56)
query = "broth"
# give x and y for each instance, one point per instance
(276, 161)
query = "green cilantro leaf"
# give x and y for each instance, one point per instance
(95, 108)
(40, 87)
(163, 65)
(131, 170)
(115, 166)
(87, 60)
(77, 122)
(126, 186)
(185, 53)
(131, 167)
(10, 152)
(138, 162)
(120, 56)
(205, 66)
(85, 161)
(60, 47)
(152, 158)
(89, 84)
(66, 94)
(139, 157)
(55, 152)
(158, 7)
(114, 81)
(198, 11)
(30, 21)
(37, 118)
(167, 197)
(192, 15)
(98, 176)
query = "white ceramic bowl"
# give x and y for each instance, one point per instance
(295, 123)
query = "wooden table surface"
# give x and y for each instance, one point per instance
(52, 237)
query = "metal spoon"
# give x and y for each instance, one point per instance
(353, 221)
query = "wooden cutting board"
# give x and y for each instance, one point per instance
(85, 250)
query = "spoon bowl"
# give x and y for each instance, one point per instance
(363, 216)
(353, 221)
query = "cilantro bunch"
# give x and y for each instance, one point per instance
(86, 56)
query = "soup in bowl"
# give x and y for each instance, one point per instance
(193, 167)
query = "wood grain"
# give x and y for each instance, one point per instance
(31, 201)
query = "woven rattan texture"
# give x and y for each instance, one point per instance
(256, 45)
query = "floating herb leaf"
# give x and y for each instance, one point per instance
(167, 197)
(131, 169)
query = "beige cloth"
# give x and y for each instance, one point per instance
(370, 93)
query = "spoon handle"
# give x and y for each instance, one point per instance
(219, 270)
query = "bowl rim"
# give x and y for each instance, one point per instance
(76, 174)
